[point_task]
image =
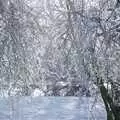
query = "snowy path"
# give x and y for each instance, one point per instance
(49, 108)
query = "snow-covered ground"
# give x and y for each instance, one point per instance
(50, 108)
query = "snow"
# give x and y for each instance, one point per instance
(50, 108)
(107, 86)
(37, 92)
(61, 83)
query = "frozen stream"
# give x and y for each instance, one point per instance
(50, 108)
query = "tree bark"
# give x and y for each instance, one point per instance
(112, 112)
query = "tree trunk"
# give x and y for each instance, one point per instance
(112, 112)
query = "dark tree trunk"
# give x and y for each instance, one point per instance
(113, 113)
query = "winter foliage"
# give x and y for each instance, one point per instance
(61, 48)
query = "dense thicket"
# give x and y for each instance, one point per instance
(61, 47)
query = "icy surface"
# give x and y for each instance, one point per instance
(50, 108)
